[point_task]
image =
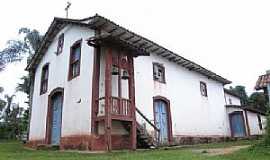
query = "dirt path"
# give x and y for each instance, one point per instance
(220, 151)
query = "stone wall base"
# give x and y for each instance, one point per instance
(85, 142)
(95, 143)
(191, 140)
(34, 143)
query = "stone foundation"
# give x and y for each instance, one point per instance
(85, 142)
(94, 143)
(34, 143)
(191, 140)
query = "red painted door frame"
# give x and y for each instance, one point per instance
(169, 118)
(49, 114)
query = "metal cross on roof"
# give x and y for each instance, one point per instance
(67, 8)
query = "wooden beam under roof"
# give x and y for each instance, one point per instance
(129, 38)
(197, 69)
(181, 61)
(161, 52)
(166, 55)
(100, 26)
(119, 34)
(136, 41)
(175, 59)
(155, 49)
(188, 66)
(186, 63)
(112, 30)
(142, 44)
(148, 47)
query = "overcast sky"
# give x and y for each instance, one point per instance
(231, 38)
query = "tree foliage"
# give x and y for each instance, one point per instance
(17, 49)
(11, 125)
(24, 86)
(2, 102)
(241, 91)
(267, 131)
(258, 100)
(14, 118)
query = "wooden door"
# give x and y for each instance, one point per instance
(161, 120)
(56, 119)
(237, 125)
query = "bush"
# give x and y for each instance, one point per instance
(267, 131)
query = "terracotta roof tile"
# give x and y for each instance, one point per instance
(262, 81)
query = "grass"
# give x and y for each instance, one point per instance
(13, 150)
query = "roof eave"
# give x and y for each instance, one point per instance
(99, 22)
(56, 21)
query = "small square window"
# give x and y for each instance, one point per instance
(60, 44)
(159, 72)
(203, 88)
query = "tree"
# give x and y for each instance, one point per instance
(24, 86)
(16, 50)
(15, 119)
(241, 91)
(267, 132)
(2, 102)
(11, 127)
(258, 101)
(7, 111)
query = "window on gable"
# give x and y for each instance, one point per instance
(203, 88)
(159, 72)
(44, 79)
(75, 60)
(230, 101)
(260, 122)
(60, 44)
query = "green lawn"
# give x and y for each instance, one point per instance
(15, 151)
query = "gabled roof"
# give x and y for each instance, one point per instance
(122, 34)
(262, 81)
(230, 92)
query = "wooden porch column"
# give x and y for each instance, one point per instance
(133, 106)
(108, 92)
(95, 87)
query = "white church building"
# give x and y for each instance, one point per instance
(98, 86)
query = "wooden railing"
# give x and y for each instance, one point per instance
(119, 106)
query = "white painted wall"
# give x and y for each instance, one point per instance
(75, 116)
(254, 123)
(192, 114)
(235, 100)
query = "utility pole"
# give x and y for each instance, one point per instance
(67, 8)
